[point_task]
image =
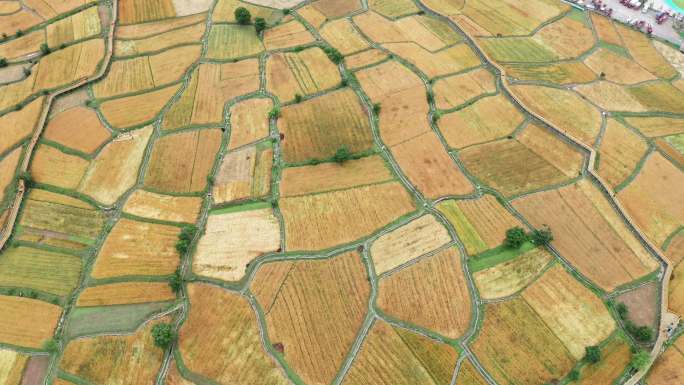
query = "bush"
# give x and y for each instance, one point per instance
(51, 345)
(44, 49)
(27, 71)
(342, 155)
(242, 15)
(19, 33)
(3, 62)
(27, 178)
(185, 238)
(542, 237)
(286, 11)
(176, 281)
(274, 113)
(622, 310)
(163, 335)
(515, 237)
(333, 54)
(592, 354)
(430, 97)
(640, 333)
(377, 108)
(640, 360)
(259, 24)
(574, 375)
(298, 98)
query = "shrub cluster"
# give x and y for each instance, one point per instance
(163, 335)
(516, 236)
(640, 333)
(184, 238)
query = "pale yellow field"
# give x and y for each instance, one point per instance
(163, 207)
(27, 322)
(80, 26)
(249, 121)
(185, 35)
(365, 58)
(408, 242)
(286, 35)
(52, 166)
(140, 31)
(304, 73)
(511, 276)
(135, 110)
(620, 151)
(342, 35)
(243, 174)
(617, 68)
(610, 96)
(455, 90)
(125, 293)
(12, 365)
(453, 59)
(8, 168)
(79, 128)
(18, 125)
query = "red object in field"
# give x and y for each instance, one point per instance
(279, 347)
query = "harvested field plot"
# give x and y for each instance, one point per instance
(333, 9)
(58, 220)
(605, 29)
(433, 294)
(141, 11)
(429, 167)
(616, 356)
(621, 150)
(610, 96)
(52, 166)
(232, 240)
(24, 46)
(156, 28)
(516, 347)
(342, 35)
(534, 160)
(315, 222)
(642, 50)
(468, 375)
(365, 58)
(668, 367)
(83, 59)
(659, 96)
(408, 242)
(394, 356)
(658, 212)
(332, 176)
(181, 36)
(455, 90)
(316, 297)
(642, 303)
(676, 290)
(429, 34)
(181, 162)
(509, 277)
(454, 59)
(393, 8)
(27, 322)
(115, 359)
(125, 294)
(137, 248)
(480, 224)
(575, 314)
(310, 134)
(249, 121)
(244, 174)
(564, 109)
(115, 169)
(224, 11)
(78, 128)
(657, 126)
(404, 116)
(617, 68)
(589, 233)
(220, 339)
(290, 34)
(573, 72)
(12, 364)
(8, 169)
(136, 110)
(163, 207)
(508, 17)
(46, 271)
(305, 72)
(18, 125)
(487, 119)
(229, 41)
(80, 26)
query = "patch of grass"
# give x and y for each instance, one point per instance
(239, 208)
(496, 256)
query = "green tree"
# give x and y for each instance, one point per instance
(376, 108)
(176, 281)
(27, 178)
(574, 375)
(163, 335)
(640, 360)
(51, 345)
(3, 62)
(334, 55)
(298, 98)
(515, 237)
(44, 49)
(622, 310)
(185, 238)
(592, 354)
(242, 15)
(342, 155)
(542, 237)
(259, 24)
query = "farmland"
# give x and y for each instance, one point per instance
(345, 192)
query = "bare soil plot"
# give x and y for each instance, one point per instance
(605, 29)
(480, 224)
(393, 8)
(126, 293)
(610, 97)
(290, 34)
(408, 242)
(656, 125)
(52, 166)
(139, 109)
(18, 125)
(317, 128)
(659, 96)
(573, 72)
(342, 35)
(394, 356)
(433, 294)
(573, 312)
(181, 162)
(455, 90)
(12, 364)
(616, 356)
(115, 169)
(163, 207)
(316, 297)
(657, 211)
(141, 11)
(668, 367)
(510, 17)
(365, 58)
(509, 277)
(221, 339)
(450, 60)
(333, 9)
(515, 166)
(232, 240)
(589, 233)
(137, 248)
(149, 29)
(564, 109)
(320, 221)
(332, 176)
(42, 270)
(181, 36)
(487, 119)
(621, 150)
(79, 128)
(429, 167)
(59, 220)
(642, 50)
(642, 303)
(244, 174)
(516, 347)
(79, 26)
(617, 68)
(305, 72)
(27, 322)
(115, 359)
(249, 121)
(229, 41)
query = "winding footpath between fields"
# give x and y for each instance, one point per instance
(666, 318)
(10, 222)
